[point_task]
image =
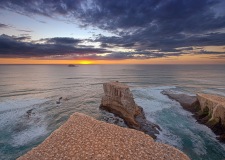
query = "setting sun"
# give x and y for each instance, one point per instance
(85, 62)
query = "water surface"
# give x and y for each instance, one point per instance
(38, 87)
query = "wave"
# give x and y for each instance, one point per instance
(19, 127)
(178, 126)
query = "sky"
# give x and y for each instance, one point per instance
(112, 32)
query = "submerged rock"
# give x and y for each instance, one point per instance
(208, 109)
(82, 137)
(29, 112)
(112, 118)
(119, 100)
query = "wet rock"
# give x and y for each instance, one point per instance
(29, 112)
(58, 102)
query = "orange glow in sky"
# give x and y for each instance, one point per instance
(185, 59)
(85, 62)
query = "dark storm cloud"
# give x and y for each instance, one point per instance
(165, 44)
(20, 38)
(207, 52)
(162, 25)
(21, 47)
(63, 40)
(11, 46)
(164, 16)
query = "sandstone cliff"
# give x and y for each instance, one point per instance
(119, 100)
(83, 137)
(207, 109)
(212, 113)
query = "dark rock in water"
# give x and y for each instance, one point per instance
(58, 102)
(119, 100)
(112, 118)
(29, 112)
(207, 109)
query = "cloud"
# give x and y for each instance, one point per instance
(69, 48)
(12, 46)
(4, 25)
(62, 48)
(63, 40)
(150, 28)
(166, 16)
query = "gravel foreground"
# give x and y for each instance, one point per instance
(83, 137)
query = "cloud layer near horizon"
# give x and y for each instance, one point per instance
(142, 28)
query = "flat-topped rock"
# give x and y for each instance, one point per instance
(119, 100)
(213, 98)
(213, 107)
(82, 137)
(212, 111)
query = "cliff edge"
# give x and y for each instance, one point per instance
(119, 100)
(82, 137)
(208, 109)
(212, 113)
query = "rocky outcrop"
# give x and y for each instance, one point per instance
(212, 113)
(82, 137)
(207, 109)
(189, 103)
(119, 100)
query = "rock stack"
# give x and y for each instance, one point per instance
(119, 100)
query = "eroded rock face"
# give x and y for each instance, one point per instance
(119, 100)
(212, 113)
(82, 137)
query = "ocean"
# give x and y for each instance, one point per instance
(29, 112)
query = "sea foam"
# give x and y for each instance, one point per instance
(178, 126)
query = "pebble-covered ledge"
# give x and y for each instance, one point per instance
(83, 137)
